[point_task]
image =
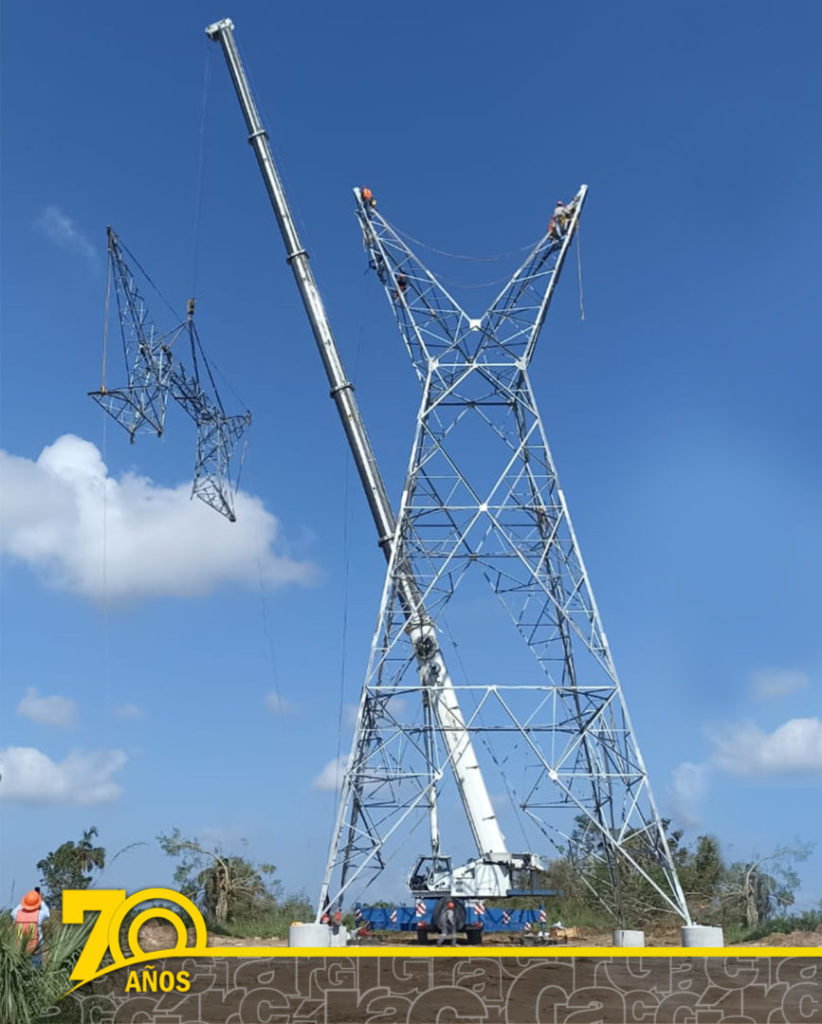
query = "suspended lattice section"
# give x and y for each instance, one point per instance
(153, 374)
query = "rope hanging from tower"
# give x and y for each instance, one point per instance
(153, 374)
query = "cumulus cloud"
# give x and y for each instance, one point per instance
(277, 704)
(60, 712)
(778, 682)
(129, 712)
(59, 228)
(794, 747)
(331, 777)
(84, 777)
(744, 750)
(60, 513)
(687, 790)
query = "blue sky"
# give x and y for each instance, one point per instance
(682, 412)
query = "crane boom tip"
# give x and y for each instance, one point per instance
(212, 31)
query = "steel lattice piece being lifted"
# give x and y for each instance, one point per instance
(154, 375)
(481, 510)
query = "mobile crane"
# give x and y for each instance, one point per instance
(495, 871)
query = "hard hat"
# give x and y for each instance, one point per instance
(450, 906)
(31, 901)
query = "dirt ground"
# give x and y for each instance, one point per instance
(157, 936)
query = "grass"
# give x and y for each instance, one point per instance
(808, 921)
(26, 991)
(271, 923)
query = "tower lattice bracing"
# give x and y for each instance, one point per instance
(483, 518)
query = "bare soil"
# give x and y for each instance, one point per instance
(157, 935)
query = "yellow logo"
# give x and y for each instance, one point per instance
(112, 909)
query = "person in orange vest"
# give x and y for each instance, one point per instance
(367, 197)
(29, 915)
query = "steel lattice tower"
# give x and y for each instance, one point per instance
(482, 502)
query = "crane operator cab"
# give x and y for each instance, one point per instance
(431, 874)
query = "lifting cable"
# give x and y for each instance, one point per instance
(199, 175)
(105, 325)
(279, 711)
(346, 552)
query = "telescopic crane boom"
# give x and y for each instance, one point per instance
(439, 689)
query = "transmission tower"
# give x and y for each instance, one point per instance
(482, 502)
(154, 375)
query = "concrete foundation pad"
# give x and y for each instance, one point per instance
(697, 935)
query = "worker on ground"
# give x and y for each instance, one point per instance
(367, 197)
(449, 926)
(29, 915)
(337, 924)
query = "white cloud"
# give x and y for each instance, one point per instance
(58, 711)
(59, 228)
(58, 512)
(84, 777)
(331, 777)
(687, 790)
(778, 682)
(129, 712)
(277, 704)
(744, 749)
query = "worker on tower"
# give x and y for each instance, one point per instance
(402, 287)
(449, 925)
(28, 916)
(560, 219)
(367, 197)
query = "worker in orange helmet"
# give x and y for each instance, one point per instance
(367, 196)
(29, 915)
(449, 925)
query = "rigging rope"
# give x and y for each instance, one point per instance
(579, 274)
(139, 266)
(462, 256)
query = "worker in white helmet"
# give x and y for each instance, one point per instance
(560, 220)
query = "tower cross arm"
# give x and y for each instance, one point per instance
(431, 321)
(515, 318)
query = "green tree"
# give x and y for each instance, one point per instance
(70, 866)
(752, 891)
(702, 874)
(227, 887)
